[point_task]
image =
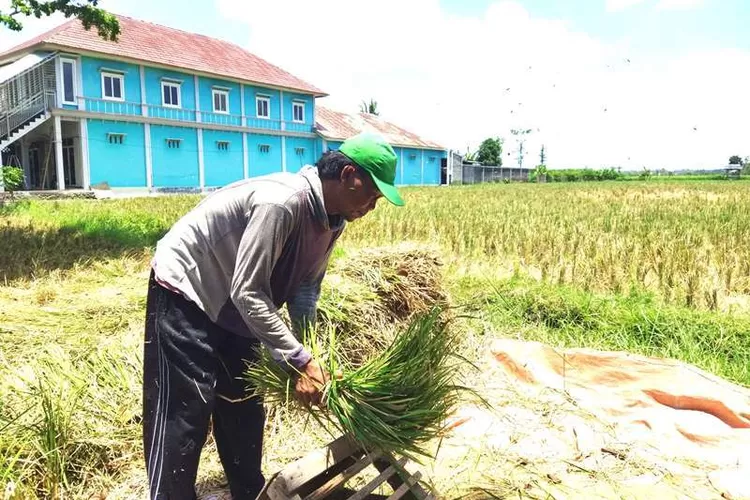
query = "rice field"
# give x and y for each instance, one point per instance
(648, 267)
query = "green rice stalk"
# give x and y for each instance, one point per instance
(396, 402)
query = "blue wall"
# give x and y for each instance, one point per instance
(175, 167)
(289, 98)
(263, 163)
(412, 167)
(330, 145)
(432, 166)
(251, 109)
(295, 161)
(120, 165)
(222, 167)
(153, 79)
(207, 103)
(91, 76)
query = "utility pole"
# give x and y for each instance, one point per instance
(542, 156)
(520, 134)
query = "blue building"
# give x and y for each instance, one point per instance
(166, 109)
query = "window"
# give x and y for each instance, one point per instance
(68, 73)
(115, 138)
(170, 94)
(299, 151)
(263, 106)
(221, 101)
(173, 143)
(298, 112)
(222, 145)
(113, 86)
(264, 148)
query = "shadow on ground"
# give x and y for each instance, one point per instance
(29, 251)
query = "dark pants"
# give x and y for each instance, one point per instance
(190, 366)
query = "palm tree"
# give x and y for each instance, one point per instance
(370, 108)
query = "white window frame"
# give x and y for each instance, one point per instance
(119, 76)
(267, 99)
(295, 105)
(74, 62)
(171, 83)
(225, 93)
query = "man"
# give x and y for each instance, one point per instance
(218, 278)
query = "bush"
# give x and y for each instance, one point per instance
(12, 178)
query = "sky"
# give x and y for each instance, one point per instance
(600, 83)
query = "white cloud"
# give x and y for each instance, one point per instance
(458, 80)
(31, 27)
(618, 5)
(679, 4)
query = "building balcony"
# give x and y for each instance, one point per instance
(125, 108)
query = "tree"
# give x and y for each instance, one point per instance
(490, 152)
(87, 11)
(370, 108)
(736, 160)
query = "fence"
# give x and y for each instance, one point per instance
(459, 173)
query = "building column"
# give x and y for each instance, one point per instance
(243, 120)
(201, 165)
(422, 167)
(402, 166)
(283, 152)
(149, 157)
(84, 145)
(245, 162)
(144, 106)
(281, 110)
(25, 162)
(59, 154)
(196, 84)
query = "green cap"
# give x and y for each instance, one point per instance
(373, 154)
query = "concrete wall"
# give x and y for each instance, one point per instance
(119, 165)
(222, 166)
(260, 162)
(175, 167)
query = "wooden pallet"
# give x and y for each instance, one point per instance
(324, 473)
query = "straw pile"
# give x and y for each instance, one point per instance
(368, 294)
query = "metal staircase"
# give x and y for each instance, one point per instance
(26, 100)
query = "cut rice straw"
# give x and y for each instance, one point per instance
(396, 402)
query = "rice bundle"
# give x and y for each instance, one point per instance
(396, 402)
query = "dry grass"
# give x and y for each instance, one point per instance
(74, 281)
(687, 242)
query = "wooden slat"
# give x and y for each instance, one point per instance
(342, 477)
(303, 470)
(405, 488)
(372, 485)
(415, 493)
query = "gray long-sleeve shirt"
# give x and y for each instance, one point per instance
(249, 248)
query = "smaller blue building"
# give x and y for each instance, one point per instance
(420, 161)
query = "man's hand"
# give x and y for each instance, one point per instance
(310, 383)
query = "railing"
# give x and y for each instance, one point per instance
(112, 107)
(24, 112)
(298, 127)
(27, 95)
(263, 123)
(109, 106)
(221, 119)
(170, 113)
